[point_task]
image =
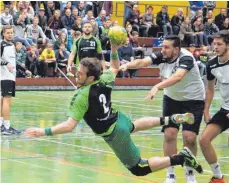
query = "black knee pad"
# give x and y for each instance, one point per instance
(141, 169)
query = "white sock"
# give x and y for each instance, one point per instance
(189, 169)
(6, 124)
(1, 121)
(216, 170)
(170, 170)
(166, 121)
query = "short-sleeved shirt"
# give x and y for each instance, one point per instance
(93, 104)
(191, 87)
(220, 71)
(47, 54)
(87, 47)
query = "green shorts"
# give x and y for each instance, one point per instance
(121, 143)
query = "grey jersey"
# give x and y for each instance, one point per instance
(8, 55)
(191, 87)
(219, 71)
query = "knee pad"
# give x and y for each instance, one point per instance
(141, 169)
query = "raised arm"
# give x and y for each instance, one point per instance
(114, 59)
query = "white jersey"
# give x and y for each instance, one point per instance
(8, 55)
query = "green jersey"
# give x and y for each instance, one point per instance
(93, 104)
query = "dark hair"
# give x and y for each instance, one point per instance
(93, 67)
(6, 6)
(175, 39)
(224, 34)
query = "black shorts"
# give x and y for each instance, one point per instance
(221, 119)
(196, 107)
(7, 88)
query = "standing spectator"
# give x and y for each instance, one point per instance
(148, 24)
(81, 9)
(67, 20)
(34, 32)
(42, 19)
(6, 18)
(8, 65)
(186, 33)
(198, 29)
(95, 27)
(177, 20)
(101, 19)
(33, 60)
(134, 18)
(108, 7)
(208, 6)
(88, 17)
(219, 19)
(209, 30)
(163, 21)
(194, 7)
(128, 5)
(50, 9)
(47, 59)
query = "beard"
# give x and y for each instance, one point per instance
(224, 52)
(87, 33)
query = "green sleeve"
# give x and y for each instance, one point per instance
(78, 106)
(108, 78)
(99, 47)
(73, 49)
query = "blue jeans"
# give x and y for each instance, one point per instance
(126, 14)
(23, 41)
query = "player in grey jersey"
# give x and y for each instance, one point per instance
(217, 68)
(183, 92)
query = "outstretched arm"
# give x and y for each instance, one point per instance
(65, 127)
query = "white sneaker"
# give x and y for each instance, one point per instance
(170, 179)
(190, 177)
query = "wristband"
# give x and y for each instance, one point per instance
(48, 131)
(114, 56)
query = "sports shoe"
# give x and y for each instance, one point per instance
(183, 118)
(190, 177)
(5, 131)
(216, 180)
(170, 179)
(190, 160)
(13, 131)
(69, 74)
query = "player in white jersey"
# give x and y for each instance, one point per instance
(217, 69)
(8, 71)
(183, 92)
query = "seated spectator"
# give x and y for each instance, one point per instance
(103, 35)
(115, 23)
(194, 7)
(134, 18)
(138, 50)
(186, 33)
(81, 9)
(101, 19)
(68, 6)
(42, 19)
(22, 71)
(129, 31)
(75, 13)
(126, 54)
(95, 27)
(33, 60)
(34, 32)
(148, 26)
(55, 25)
(6, 18)
(29, 10)
(199, 14)
(198, 29)
(225, 25)
(88, 17)
(78, 24)
(163, 21)
(75, 35)
(62, 58)
(208, 6)
(209, 30)
(49, 9)
(209, 16)
(220, 18)
(177, 20)
(61, 39)
(67, 20)
(47, 59)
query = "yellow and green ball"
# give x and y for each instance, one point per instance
(117, 35)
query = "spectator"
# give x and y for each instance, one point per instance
(62, 39)
(88, 17)
(194, 7)
(16, 9)
(209, 30)
(138, 50)
(68, 6)
(75, 35)
(108, 7)
(198, 28)
(29, 10)
(134, 18)
(47, 59)
(81, 9)
(103, 35)
(101, 19)
(220, 18)
(34, 32)
(50, 9)
(129, 31)
(199, 14)
(126, 54)
(75, 13)
(42, 19)
(62, 57)
(177, 20)
(33, 60)
(78, 24)
(148, 26)
(225, 24)
(209, 16)
(67, 20)
(6, 18)
(115, 23)
(163, 21)
(186, 33)
(95, 27)
(128, 5)
(55, 25)
(208, 6)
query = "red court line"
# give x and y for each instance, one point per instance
(75, 164)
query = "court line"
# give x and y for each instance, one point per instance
(62, 161)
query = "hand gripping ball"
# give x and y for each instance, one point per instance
(117, 35)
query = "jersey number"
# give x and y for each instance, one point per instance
(103, 100)
(92, 43)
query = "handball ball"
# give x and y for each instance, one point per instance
(117, 35)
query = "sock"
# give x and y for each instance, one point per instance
(216, 170)
(6, 124)
(189, 170)
(1, 121)
(164, 121)
(177, 160)
(170, 170)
